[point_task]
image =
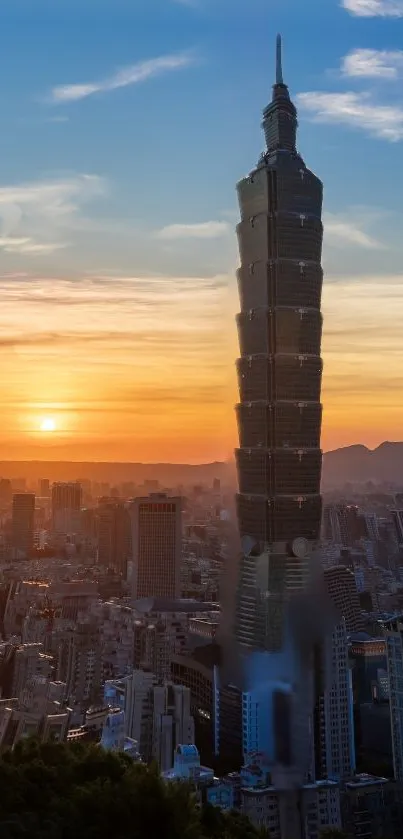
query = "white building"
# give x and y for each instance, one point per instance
(336, 742)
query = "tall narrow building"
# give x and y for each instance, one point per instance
(279, 372)
(156, 545)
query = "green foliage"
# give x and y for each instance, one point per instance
(55, 791)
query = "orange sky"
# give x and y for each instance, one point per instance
(143, 369)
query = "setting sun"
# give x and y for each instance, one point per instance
(48, 424)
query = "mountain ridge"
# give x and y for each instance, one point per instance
(355, 464)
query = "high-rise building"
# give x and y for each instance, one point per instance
(172, 722)
(335, 745)
(393, 632)
(114, 536)
(84, 667)
(156, 529)
(66, 507)
(6, 491)
(279, 371)
(342, 590)
(23, 523)
(44, 487)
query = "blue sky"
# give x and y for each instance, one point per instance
(125, 127)
(169, 149)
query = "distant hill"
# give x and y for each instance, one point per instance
(354, 464)
(357, 464)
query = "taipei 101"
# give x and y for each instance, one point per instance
(201, 446)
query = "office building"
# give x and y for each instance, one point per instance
(279, 372)
(23, 524)
(156, 530)
(66, 507)
(342, 589)
(114, 536)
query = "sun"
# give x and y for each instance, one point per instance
(48, 424)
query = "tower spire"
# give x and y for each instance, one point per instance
(279, 63)
(280, 117)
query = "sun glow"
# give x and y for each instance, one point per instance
(48, 424)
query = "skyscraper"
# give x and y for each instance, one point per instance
(156, 524)
(279, 373)
(66, 507)
(114, 538)
(23, 522)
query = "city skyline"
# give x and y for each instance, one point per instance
(118, 213)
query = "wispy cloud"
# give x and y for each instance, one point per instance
(134, 74)
(35, 217)
(377, 64)
(358, 110)
(204, 230)
(374, 8)
(26, 245)
(347, 229)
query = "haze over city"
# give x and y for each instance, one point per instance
(125, 127)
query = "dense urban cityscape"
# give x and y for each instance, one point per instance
(202, 650)
(114, 596)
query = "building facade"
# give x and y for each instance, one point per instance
(393, 631)
(156, 528)
(66, 507)
(23, 523)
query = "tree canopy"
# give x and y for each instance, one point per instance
(58, 791)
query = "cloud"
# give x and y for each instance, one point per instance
(340, 230)
(204, 230)
(357, 110)
(374, 8)
(35, 216)
(13, 244)
(377, 64)
(134, 74)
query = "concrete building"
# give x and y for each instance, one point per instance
(172, 722)
(84, 671)
(157, 715)
(372, 806)
(335, 744)
(23, 524)
(19, 664)
(310, 809)
(156, 527)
